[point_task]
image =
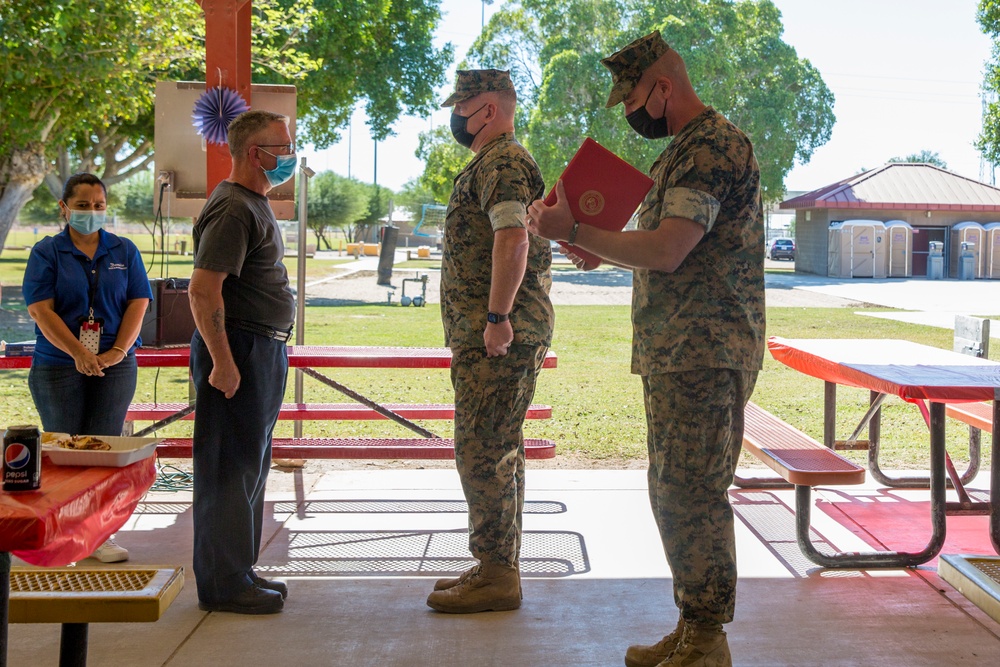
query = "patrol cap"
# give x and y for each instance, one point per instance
(472, 82)
(628, 64)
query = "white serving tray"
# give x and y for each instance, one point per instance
(124, 451)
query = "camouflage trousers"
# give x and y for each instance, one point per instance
(695, 433)
(492, 395)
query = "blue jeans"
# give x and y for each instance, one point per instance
(232, 457)
(70, 402)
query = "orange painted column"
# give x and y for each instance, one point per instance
(227, 64)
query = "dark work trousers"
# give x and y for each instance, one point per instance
(232, 456)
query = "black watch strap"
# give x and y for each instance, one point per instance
(496, 318)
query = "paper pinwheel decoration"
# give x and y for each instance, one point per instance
(215, 110)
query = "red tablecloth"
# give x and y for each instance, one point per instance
(76, 509)
(898, 367)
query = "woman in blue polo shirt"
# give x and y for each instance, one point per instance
(87, 291)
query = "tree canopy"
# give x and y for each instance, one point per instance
(379, 51)
(734, 53)
(77, 78)
(929, 157)
(988, 143)
(335, 202)
(70, 70)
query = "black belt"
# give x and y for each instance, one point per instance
(261, 329)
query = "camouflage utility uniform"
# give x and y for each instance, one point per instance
(492, 394)
(698, 343)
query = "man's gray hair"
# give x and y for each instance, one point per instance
(245, 128)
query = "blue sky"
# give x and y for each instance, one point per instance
(906, 75)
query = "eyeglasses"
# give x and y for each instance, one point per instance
(289, 148)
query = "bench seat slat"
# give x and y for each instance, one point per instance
(360, 448)
(335, 411)
(978, 415)
(125, 594)
(794, 455)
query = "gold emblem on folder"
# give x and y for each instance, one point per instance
(591, 202)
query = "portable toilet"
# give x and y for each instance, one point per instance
(857, 249)
(991, 250)
(834, 257)
(966, 237)
(900, 251)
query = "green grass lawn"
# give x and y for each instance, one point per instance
(158, 265)
(597, 403)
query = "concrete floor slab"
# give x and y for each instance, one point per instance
(361, 553)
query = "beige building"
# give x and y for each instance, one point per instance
(931, 200)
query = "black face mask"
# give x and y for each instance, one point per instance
(459, 131)
(647, 126)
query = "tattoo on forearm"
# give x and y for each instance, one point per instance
(219, 320)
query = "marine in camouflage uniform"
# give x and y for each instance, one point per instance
(492, 391)
(698, 336)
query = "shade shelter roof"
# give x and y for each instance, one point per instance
(905, 186)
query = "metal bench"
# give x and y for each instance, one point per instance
(797, 458)
(977, 415)
(76, 597)
(802, 461)
(334, 411)
(360, 448)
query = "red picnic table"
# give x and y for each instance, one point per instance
(308, 358)
(928, 377)
(74, 511)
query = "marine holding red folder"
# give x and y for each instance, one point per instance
(697, 260)
(602, 190)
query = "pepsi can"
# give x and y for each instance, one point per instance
(22, 459)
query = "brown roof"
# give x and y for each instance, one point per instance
(903, 185)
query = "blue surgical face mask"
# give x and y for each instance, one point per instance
(283, 170)
(87, 222)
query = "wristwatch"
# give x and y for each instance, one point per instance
(496, 318)
(571, 239)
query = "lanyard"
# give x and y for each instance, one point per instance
(92, 277)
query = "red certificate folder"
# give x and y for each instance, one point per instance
(603, 191)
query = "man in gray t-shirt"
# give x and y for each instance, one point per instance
(238, 236)
(244, 310)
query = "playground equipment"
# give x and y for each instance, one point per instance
(433, 216)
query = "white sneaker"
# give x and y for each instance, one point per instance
(110, 552)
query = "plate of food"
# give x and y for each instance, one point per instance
(51, 437)
(93, 450)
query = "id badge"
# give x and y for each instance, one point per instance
(90, 335)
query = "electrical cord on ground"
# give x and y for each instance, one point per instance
(171, 478)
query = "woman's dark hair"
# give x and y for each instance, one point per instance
(83, 178)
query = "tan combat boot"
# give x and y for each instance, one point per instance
(641, 655)
(701, 646)
(488, 587)
(451, 582)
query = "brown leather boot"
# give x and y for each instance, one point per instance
(488, 587)
(642, 655)
(701, 646)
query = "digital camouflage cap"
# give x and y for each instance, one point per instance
(627, 65)
(472, 82)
